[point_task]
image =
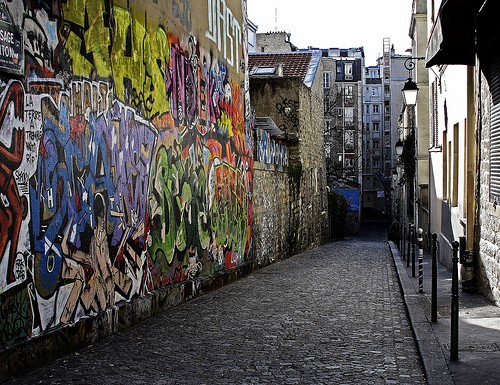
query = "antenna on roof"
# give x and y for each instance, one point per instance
(276, 19)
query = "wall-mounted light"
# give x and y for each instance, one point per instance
(410, 89)
(399, 147)
(410, 92)
(394, 175)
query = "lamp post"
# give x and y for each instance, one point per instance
(410, 94)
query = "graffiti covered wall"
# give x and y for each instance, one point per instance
(125, 155)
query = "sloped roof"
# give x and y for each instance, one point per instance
(294, 64)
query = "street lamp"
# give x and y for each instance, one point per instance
(399, 147)
(410, 89)
(410, 92)
(394, 175)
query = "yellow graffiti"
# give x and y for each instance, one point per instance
(96, 41)
(138, 58)
(226, 124)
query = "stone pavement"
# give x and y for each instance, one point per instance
(331, 315)
(479, 328)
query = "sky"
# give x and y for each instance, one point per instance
(337, 23)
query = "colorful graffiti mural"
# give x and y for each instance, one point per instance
(269, 151)
(125, 159)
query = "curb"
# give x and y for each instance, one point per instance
(433, 360)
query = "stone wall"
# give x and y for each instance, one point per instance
(488, 264)
(275, 221)
(290, 205)
(273, 42)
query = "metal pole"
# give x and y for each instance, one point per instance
(403, 243)
(454, 304)
(434, 279)
(420, 260)
(413, 251)
(409, 245)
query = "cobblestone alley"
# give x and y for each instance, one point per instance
(332, 315)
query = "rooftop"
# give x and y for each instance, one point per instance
(293, 64)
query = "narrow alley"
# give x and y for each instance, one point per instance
(332, 315)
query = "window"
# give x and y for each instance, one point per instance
(349, 140)
(376, 144)
(376, 163)
(495, 130)
(433, 132)
(327, 105)
(349, 115)
(326, 79)
(328, 149)
(445, 166)
(348, 93)
(263, 71)
(328, 126)
(376, 127)
(454, 199)
(375, 108)
(348, 71)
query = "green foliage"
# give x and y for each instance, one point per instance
(408, 158)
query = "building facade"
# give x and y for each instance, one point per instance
(343, 79)
(290, 191)
(463, 55)
(374, 181)
(418, 117)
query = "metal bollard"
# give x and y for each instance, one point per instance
(434, 279)
(409, 245)
(420, 240)
(413, 250)
(403, 239)
(454, 304)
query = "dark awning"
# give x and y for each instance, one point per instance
(266, 123)
(452, 39)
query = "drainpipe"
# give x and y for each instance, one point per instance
(477, 194)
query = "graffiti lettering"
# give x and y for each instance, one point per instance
(225, 30)
(129, 170)
(271, 152)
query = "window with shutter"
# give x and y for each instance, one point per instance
(495, 131)
(433, 132)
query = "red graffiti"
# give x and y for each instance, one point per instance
(13, 207)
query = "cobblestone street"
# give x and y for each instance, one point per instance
(332, 315)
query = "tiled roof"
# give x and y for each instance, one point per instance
(295, 64)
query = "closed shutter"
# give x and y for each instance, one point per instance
(433, 132)
(495, 131)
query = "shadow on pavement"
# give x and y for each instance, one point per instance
(373, 230)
